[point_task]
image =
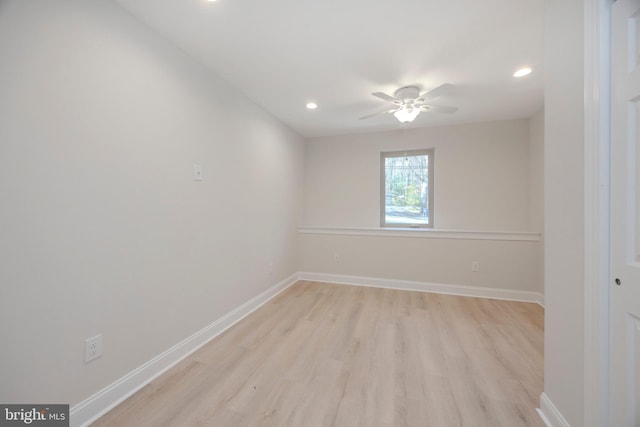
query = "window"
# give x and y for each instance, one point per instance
(406, 188)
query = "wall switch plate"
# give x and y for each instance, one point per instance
(197, 172)
(475, 266)
(92, 348)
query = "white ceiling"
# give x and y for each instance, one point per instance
(285, 53)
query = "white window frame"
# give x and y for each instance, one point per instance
(430, 153)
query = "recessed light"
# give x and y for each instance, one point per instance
(312, 105)
(525, 71)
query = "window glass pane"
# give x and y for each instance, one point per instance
(406, 194)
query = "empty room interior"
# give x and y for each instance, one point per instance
(236, 213)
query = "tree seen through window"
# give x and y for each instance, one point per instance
(406, 188)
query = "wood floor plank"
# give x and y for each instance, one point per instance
(334, 355)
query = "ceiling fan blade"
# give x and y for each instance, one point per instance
(393, 110)
(438, 108)
(386, 97)
(439, 91)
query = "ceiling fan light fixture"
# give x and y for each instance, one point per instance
(408, 102)
(406, 114)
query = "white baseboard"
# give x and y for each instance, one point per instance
(106, 399)
(406, 285)
(550, 414)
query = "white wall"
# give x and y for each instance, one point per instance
(508, 265)
(482, 183)
(564, 207)
(481, 180)
(102, 228)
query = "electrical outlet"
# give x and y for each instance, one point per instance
(336, 257)
(475, 266)
(92, 348)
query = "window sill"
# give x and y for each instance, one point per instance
(425, 233)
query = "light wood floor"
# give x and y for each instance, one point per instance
(333, 355)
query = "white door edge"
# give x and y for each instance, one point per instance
(597, 65)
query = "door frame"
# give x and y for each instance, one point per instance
(597, 142)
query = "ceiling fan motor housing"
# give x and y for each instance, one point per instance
(407, 92)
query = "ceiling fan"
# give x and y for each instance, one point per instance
(408, 102)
